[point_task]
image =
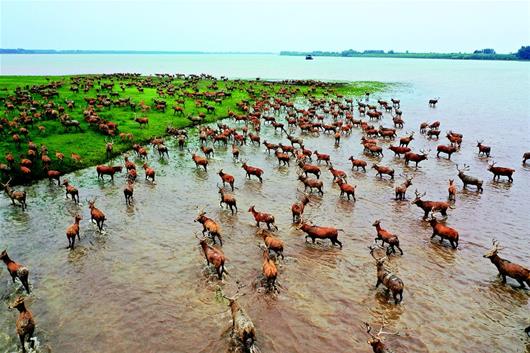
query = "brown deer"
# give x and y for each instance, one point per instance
(297, 209)
(451, 190)
(483, 149)
(25, 323)
(347, 189)
(318, 232)
(19, 196)
(149, 172)
(269, 270)
(72, 231)
(381, 169)
(399, 150)
(228, 199)
(71, 190)
(261, 217)
(430, 206)
(200, 161)
(387, 278)
(322, 157)
(526, 156)
(358, 163)
(401, 190)
(468, 179)
(376, 341)
(213, 256)
(16, 270)
(227, 179)
(243, 329)
(96, 215)
(210, 226)
(309, 169)
(108, 170)
(108, 148)
(257, 172)
(406, 140)
(447, 149)
(506, 268)
(386, 237)
(415, 157)
(272, 243)
(444, 232)
(501, 171)
(337, 174)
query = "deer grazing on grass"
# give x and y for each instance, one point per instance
(376, 341)
(297, 208)
(430, 206)
(71, 190)
(358, 163)
(16, 270)
(210, 226)
(96, 215)
(25, 323)
(386, 237)
(272, 243)
(483, 149)
(72, 231)
(347, 189)
(507, 268)
(451, 190)
(468, 179)
(261, 217)
(387, 278)
(19, 196)
(415, 157)
(257, 172)
(500, 171)
(444, 232)
(228, 199)
(381, 169)
(401, 190)
(318, 232)
(213, 256)
(128, 192)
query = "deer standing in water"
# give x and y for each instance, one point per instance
(387, 278)
(507, 268)
(468, 179)
(19, 196)
(430, 206)
(376, 341)
(16, 270)
(297, 209)
(25, 323)
(72, 231)
(96, 214)
(401, 190)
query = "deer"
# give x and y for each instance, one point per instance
(162, 150)
(376, 341)
(483, 149)
(386, 237)
(269, 269)
(322, 157)
(444, 232)
(282, 158)
(337, 174)
(109, 147)
(208, 151)
(447, 149)
(257, 172)
(297, 208)
(526, 156)
(261, 217)
(405, 141)
(451, 190)
(381, 169)
(415, 157)
(16, 270)
(272, 243)
(71, 190)
(430, 206)
(500, 171)
(311, 183)
(228, 199)
(142, 121)
(128, 192)
(468, 179)
(96, 215)
(399, 150)
(318, 232)
(200, 161)
(454, 138)
(213, 256)
(19, 196)
(507, 268)
(347, 189)
(388, 279)
(358, 163)
(25, 323)
(309, 169)
(401, 190)
(108, 170)
(432, 102)
(243, 329)
(149, 172)
(72, 231)
(210, 226)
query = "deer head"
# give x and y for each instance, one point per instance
(494, 249)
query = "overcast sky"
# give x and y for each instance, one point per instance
(268, 25)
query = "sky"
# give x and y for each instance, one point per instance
(266, 25)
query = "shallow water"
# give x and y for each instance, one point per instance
(143, 286)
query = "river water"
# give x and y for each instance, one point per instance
(143, 286)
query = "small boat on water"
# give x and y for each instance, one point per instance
(309, 57)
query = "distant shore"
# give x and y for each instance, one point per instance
(451, 56)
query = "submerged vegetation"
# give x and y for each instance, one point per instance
(69, 120)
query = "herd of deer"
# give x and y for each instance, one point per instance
(268, 110)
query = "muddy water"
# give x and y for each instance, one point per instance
(143, 286)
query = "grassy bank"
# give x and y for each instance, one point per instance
(89, 142)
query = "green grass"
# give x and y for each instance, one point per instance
(90, 143)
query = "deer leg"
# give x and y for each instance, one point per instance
(22, 342)
(378, 283)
